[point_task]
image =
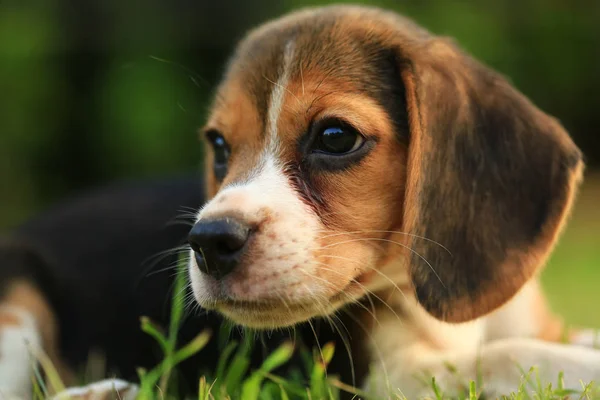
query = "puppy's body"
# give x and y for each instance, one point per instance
(89, 258)
(354, 156)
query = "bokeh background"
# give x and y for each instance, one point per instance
(97, 91)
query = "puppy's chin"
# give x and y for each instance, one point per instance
(263, 316)
(267, 312)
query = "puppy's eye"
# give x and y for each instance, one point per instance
(338, 139)
(220, 149)
(221, 153)
(333, 145)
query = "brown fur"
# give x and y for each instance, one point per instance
(455, 98)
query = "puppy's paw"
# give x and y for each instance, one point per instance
(587, 338)
(108, 389)
(18, 335)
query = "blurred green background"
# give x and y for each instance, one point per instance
(95, 91)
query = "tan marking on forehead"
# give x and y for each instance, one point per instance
(324, 97)
(235, 116)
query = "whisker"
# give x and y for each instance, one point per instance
(187, 216)
(354, 281)
(387, 241)
(358, 322)
(327, 75)
(191, 217)
(320, 98)
(189, 300)
(324, 313)
(283, 87)
(156, 259)
(346, 343)
(285, 303)
(348, 297)
(395, 285)
(317, 340)
(191, 209)
(176, 222)
(166, 253)
(171, 266)
(384, 231)
(189, 213)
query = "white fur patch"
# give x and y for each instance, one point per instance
(277, 97)
(515, 317)
(282, 248)
(102, 390)
(16, 361)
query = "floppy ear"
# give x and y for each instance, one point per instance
(489, 176)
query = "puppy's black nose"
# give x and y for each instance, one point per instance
(218, 244)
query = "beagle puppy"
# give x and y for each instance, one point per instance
(357, 165)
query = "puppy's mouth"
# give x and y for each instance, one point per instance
(280, 313)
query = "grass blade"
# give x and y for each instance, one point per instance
(473, 391)
(151, 378)
(52, 376)
(151, 329)
(252, 386)
(176, 316)
(318, 376)
(223, 359)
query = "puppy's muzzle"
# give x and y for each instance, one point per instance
(219, 245)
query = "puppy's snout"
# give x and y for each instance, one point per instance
(219, 244)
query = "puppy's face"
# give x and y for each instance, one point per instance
(308, 171)
(307, 148)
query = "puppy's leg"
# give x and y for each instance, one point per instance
(547, 325)
(585, 337)
(18, 333)
(27, 325)
(108, 389)
(502, 366)
(27, 321)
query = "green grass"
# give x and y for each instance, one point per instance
(571, 281)
(233, 378)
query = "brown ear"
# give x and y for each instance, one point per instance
(490, 177)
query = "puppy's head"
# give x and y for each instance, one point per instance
(350, 151)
